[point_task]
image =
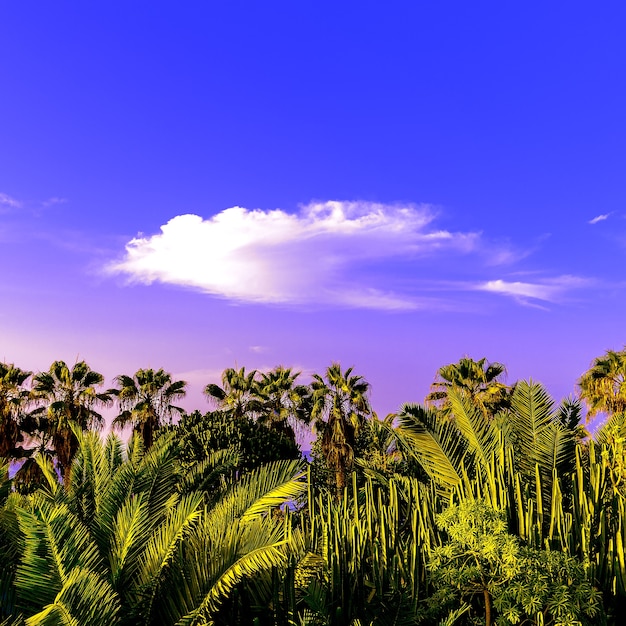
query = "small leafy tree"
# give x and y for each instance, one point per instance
(199, 435)
(483, 565)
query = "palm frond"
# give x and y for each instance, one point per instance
(206, 474)
(130, 533)
(85, 598)
(532, 425)
(480, 434)
(55, 543)
(248, 566)
(434, 443)
(266, 487)
(162, 547)
(612, 429)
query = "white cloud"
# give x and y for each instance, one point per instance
(52, 201)
(599, 218)
(347, 254)
(316, 256)
(548, 290)
(7, 202)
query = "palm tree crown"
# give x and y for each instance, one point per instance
(284, 404)
(70, 398)
(478, 379)
(145, 401)
(340, 405)
(238, 393)
(13, 398)
(603, 386)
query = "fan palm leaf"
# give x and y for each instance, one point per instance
(69, 397)
(478, 379)
(238, 394)
(339, 407)
(603, 385)
(146, 401)
(13, 400)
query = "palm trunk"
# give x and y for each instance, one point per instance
(340, 482)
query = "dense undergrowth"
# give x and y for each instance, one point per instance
(488, 505)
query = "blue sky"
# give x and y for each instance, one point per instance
(392, 185)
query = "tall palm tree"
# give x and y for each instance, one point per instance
(340, 405)
(69, 398)
(284, 404)
(238, 393)
(145, 401)
(13, 398)
(480, 380)
(603, 385)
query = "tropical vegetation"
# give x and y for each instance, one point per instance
(488, 504)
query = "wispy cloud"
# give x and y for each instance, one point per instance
(294, 258)
(53, 201)
(547, 290)
(7, 202)
(599, 218)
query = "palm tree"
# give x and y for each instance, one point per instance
(238, 393)
(13, 398)
(133, 542)
(145, 401)
(603, 385)
(70, 398)
(284, 404)
(340, 405)
(532, 452)
(478, 379)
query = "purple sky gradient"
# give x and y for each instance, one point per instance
(415, 183)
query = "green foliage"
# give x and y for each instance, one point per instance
(362, 560)
(374, 456)
(13, 399)
(146, 401)
(256, 444)
(10, 547)
(339, 408)
(485, 567)
(468, 515)
(603, 385)
(551, 588)
(478, 380)
(434, 443)
(68, 398)
(129, 530)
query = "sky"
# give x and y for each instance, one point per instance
(393, 186)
